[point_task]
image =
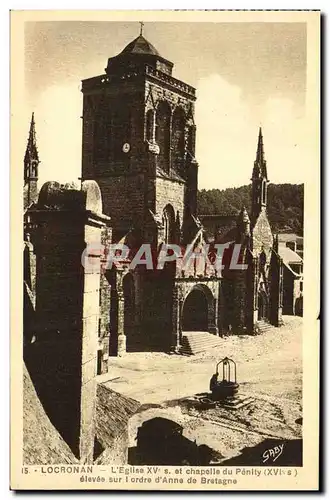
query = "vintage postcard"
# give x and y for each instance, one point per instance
(165, 236)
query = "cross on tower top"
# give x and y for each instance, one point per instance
(141, 27)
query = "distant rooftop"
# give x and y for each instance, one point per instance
(289, 256)
(284, 237)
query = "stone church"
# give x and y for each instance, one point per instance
(139, 185)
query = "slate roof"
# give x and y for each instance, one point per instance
(140, 46)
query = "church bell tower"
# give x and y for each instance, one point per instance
(139, 140)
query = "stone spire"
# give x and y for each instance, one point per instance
(260, 166)
(31, 158)
(259, 180)
(31, 164)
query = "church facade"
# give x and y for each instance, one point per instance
(138, 146)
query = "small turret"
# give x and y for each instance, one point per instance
(243, 225)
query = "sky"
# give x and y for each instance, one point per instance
(246, 75)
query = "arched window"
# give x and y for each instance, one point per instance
(178, 128)
(169, 224)
(150, 125)
(163, 119)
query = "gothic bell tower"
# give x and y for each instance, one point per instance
(259, 181)
(139, 140)
(31, 164)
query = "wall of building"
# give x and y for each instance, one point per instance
(262, 237)
(62, 359)
(288, 284)
(170, 192)
(123, 199)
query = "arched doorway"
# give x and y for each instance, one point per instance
(195, 311)
(262, 306)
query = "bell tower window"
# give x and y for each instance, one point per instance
(178, 140)
(163, 137)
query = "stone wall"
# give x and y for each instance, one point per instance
(170, 192)
(113, 411)
(30, 192)
(62, 358)
(123, 199)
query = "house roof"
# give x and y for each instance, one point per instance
(286, 237)
(289, 256)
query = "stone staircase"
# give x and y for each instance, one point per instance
(264, 326)
(195, 342)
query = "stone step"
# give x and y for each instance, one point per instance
(195, 342)
(202, 342)
(264, 326)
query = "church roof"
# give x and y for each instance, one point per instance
(140, 46)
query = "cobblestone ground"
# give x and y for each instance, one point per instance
(268, 364)
(269, 368)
